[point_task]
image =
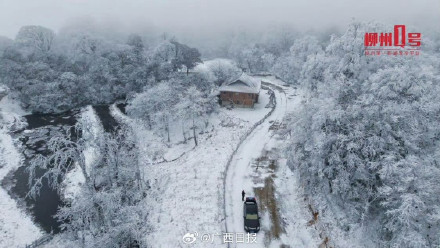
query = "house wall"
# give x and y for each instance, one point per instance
(238, 98)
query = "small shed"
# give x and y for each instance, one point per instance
(241, 92)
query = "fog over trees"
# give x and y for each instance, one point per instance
(52, 73)
(365, 145)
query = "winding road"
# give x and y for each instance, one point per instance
(238, 174)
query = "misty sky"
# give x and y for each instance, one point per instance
(215, 14)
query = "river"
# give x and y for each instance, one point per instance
(41, 127)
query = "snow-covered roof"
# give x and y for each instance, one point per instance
(243, 84)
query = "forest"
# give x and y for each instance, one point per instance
(365, 144)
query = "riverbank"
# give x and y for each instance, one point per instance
(16, 227)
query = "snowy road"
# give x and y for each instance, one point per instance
(238, 176)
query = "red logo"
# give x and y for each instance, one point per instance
(397, 43)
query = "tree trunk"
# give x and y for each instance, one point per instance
(138, 168)
(183, 132)
(168, 131)
(82, 165)
(149, 122)
(83, 235)
(194, 133)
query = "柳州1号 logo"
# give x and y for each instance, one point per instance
(397, 43)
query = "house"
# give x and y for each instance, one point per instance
(240, 92)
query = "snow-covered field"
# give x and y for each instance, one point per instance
(16, 227)
(187, 195)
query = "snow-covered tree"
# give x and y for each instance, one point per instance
(5, 43)
(36, 37)
(109, 209)
(289, 66)
(101, 69)
(219, 70)
(185, 56)
(155, 106)
(194, 106)
(366, 144)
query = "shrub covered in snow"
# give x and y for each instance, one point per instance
(53, 73)
(366, 143)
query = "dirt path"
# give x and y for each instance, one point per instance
(264, 171)
(258, 169)
(241, 176)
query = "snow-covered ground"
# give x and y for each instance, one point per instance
(187, 195)
(92, 130)
(243, 175)
(157, 150)
(16, 227)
